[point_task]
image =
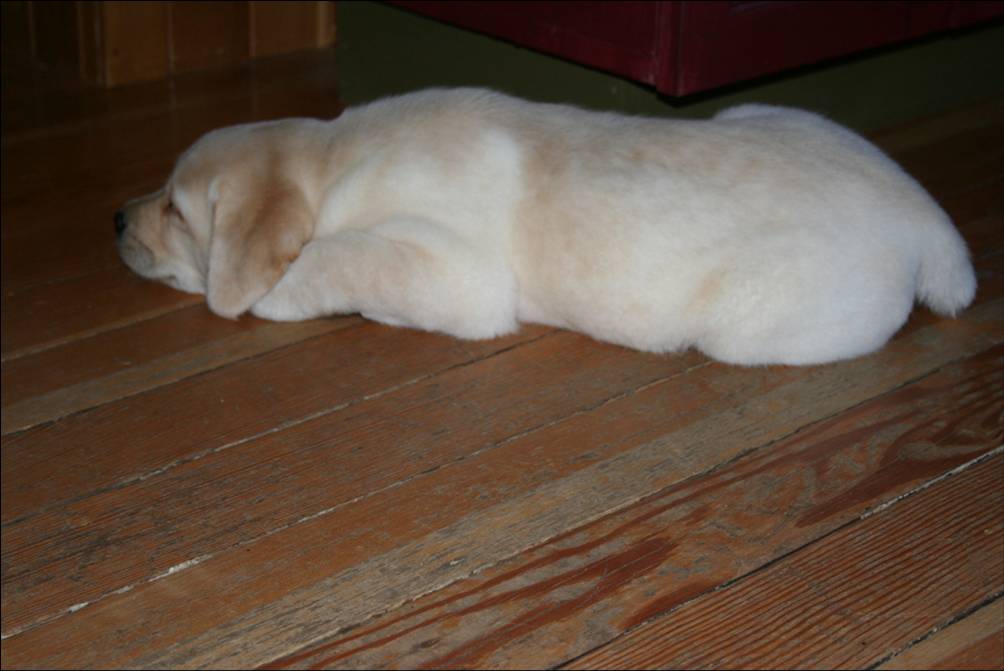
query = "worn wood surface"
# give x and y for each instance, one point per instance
(828, 605)
(185, 491)
(595, 581)
(974, 642)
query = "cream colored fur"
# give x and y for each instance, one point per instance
(764, 235)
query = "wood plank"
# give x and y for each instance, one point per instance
(208, 35)
(974, 642)
(312, 467)
(31, 114)
(283, 26)
(587, 585)
(844, 601)
(43, 258)
(134, 44)
(51, 315)
(224, 407)
(112, 352)
(127, 361)
(338, 567)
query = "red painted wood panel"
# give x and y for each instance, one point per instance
(687, 47)
(621, 37)
(722, 43)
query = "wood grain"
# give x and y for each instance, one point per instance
(974, 642)
(224, 407)
(111, 352)
(873, 585)
(308, 468)
(41, 116)
(583, 587)
(51, 315)
(355, 561)
(143, 356)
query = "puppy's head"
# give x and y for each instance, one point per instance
(230, 219)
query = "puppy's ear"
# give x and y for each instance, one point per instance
(259, 228)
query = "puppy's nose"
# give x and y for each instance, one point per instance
(120, 223)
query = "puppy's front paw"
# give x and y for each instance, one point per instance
(278, 306)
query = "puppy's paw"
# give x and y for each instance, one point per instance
(278, 306)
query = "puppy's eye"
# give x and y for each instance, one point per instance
(172, 212)
(174, 217)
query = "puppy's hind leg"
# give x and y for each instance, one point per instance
(404, 272)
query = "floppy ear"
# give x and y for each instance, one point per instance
(259, 228)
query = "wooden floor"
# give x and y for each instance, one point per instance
(180, 490)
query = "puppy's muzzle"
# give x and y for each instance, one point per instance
(120, 223)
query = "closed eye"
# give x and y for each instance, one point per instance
(174, 216)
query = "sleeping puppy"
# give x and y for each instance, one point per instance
(764, 235)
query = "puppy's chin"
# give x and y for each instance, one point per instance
(138, 258)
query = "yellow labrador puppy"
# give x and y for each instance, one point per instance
(763, 235)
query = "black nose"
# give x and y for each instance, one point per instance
(120, 223)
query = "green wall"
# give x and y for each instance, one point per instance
(383, 50)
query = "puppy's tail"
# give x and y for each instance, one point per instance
(945, 280)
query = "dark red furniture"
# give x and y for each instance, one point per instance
(688, 47)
